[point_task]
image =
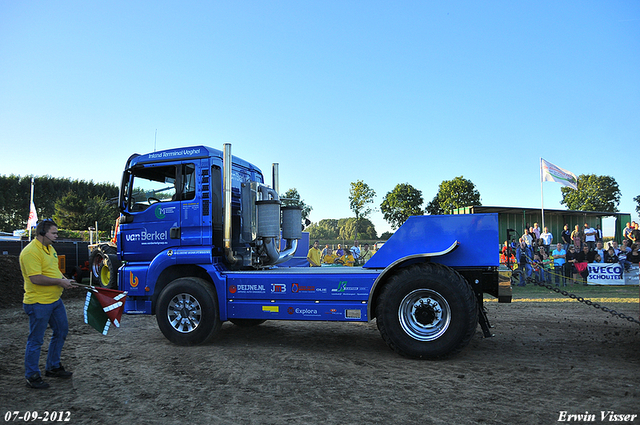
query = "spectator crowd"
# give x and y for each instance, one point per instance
(346, 256)
(535, 253)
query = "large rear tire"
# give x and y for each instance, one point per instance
(427, 311)
(187, 311)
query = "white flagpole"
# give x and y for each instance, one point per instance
(541, 195)
(30, 203)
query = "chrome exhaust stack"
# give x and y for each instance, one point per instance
(226, 166)
(261, 221)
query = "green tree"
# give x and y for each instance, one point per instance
(75, 213)
(360, 196)
(386, 235)
(15, 190)
(351, 228)
(104, 211)
(401, 203)
(291, 198)
(456, 193)
(326, 229)
(70, 212)
(594, 193)
(637, 201)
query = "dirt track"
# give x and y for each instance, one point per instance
(545, 358)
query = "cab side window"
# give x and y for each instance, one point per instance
(151, 185)
(188, 190)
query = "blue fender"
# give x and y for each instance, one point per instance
(470, 240)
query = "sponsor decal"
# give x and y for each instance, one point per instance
(161, 212)
(278, 288)
(271, 308)
(297, 288)
(247, 289)
(342, 287)
(605, 273)
(173, 154)
(290, 310)
(306, 311)
(148, 238)
(133, 281)
(170, 253)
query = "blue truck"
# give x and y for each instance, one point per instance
(203, 240)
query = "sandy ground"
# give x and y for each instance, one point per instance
(545, 358)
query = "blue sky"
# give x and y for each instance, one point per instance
(334, 91)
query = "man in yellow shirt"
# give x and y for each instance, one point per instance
(314, 255)
(43, 285)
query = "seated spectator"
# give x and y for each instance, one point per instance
(622, 256)
(329, 258)
(586, 256)
(615, 247)
(601, 251)
(582, 262)
(634, 256)
(348, 259)
(610, 256)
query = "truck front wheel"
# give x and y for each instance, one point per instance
(427, 311)
(187, 311)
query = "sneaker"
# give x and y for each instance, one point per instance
(58, 372)
(36, 382)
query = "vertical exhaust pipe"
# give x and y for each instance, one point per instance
(275, 177)
(226, 166)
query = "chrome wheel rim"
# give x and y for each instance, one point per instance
(424, 314)
(184, 313)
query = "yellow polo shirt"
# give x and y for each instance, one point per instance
(36, 259)
(314, 257)
(329, 259)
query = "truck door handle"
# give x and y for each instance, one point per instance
(174, 233)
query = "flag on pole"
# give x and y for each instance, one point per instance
(103, 307)
(553, 173)
(33, 216)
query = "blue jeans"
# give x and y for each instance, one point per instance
(558, 270)
(41, 315)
